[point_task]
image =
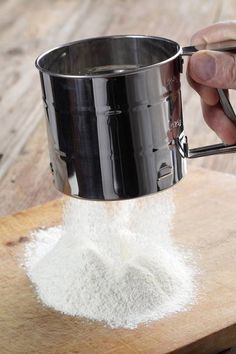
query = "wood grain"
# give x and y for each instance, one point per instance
(29, 27)
(204, 222)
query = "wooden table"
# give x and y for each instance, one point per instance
(29, 27)
(204, 223)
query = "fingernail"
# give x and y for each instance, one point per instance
(204, 66)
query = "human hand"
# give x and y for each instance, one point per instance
(208, 70)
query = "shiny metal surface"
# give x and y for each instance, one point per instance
(226, 105)
(101, 56)
(224, 46)
(211, 150)
(114, 116)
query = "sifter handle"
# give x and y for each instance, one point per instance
(226, 46)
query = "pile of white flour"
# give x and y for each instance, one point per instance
(113, 262)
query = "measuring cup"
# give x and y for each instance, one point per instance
(114, 115)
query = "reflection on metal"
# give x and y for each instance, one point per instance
(114, 116)
(164, 171)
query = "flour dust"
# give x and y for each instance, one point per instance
(114, 262)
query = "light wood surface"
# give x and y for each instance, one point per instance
(204, 222)
(29, 27)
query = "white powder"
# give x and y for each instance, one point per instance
(113, 262)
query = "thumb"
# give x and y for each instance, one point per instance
(213, 69)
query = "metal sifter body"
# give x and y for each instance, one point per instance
(114, 116)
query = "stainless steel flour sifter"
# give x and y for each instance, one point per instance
(114, 115)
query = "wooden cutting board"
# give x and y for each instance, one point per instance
(205, 222)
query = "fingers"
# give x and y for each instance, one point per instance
(222, 31)
(219, 122)
(208, 70)
(208, 94)
(213, 69)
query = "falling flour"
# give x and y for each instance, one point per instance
(113, 262)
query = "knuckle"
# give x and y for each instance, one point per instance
(229, 71)
(232, 71)
(226, 71)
